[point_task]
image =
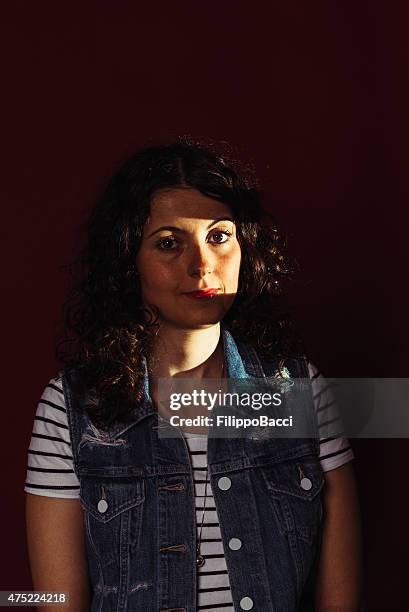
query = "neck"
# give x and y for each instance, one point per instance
(194, 353)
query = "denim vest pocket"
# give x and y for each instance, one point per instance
(294, 492)
(106, 497)
(113, 516)
(295, 488)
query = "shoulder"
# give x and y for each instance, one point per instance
(52, 400)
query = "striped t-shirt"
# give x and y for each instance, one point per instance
(50, 472)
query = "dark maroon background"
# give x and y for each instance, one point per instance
(313, 93)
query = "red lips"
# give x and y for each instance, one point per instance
(203, 293)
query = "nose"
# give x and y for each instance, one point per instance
(200, 262)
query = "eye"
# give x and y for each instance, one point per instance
(224, 235)
(166, 244)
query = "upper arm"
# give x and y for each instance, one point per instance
(339, 580)
(56, 546)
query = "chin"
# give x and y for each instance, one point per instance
(202, 321)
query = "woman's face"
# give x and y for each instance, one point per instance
(189, 243)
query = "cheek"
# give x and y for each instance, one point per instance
(230, 267)
(156, 276)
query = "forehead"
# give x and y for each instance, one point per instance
(172, 205)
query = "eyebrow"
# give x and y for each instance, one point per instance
(182, 231)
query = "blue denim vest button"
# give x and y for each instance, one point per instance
(234, 543)
(102, 506)
(306, 484)
(246, 603)
(224, 483)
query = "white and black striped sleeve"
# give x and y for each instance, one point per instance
(334, 450)
(50, 469)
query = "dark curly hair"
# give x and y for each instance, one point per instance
(106, 328)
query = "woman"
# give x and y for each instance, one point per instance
(183, 280)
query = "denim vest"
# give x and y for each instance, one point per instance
(137, 493)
